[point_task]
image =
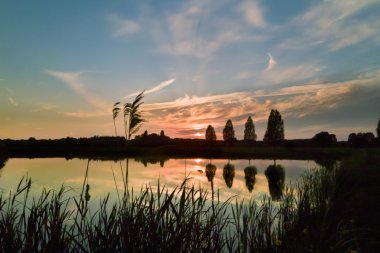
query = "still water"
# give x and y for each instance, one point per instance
(104, 176)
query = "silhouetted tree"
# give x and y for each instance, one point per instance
(228, 131)
(210, 172)
(210, 133)
(162, 133)
(145, 134)
(229, 174)
(325, 139)
(360, 139)
(249, 131)
(250, 177)
(352, 138)
(132, 115)
(115, 112)
(275, 128)
(275, 175)
(378, 129)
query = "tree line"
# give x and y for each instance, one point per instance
(275, 129)
(275, 132)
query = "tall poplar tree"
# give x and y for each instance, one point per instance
(228, 131)
(210, 133)
(275, 128)
(249, 131)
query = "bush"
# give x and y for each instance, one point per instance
(325, 139)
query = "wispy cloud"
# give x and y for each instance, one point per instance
(271, 62)
(282, 75)
(74, 81)
(12, 101)
(181, 33)
(288, 74)
(43, 107)
(244, 75)
(86, 115)
(353, 34)
(253, 13)
(295, 101)
(334, 24)
(123, 27)
(159, 87)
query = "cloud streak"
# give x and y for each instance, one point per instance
(12, 101)
(295, 101)
(159, 87)
(123, 27)
(74, 81)
(181, 33)
(281, 75)
(271, 62)
(287, 74)
(334, 24)
(253, 14)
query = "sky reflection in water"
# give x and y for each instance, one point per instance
(51, 173)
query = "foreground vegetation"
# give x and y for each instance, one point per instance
(328, 210)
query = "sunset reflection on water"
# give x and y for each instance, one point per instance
(51, 173)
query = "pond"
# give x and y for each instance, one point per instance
(229, 177)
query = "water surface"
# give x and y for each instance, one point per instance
(105, 176)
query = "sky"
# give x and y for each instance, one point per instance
(63, 64)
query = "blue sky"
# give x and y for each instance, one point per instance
(63, 65)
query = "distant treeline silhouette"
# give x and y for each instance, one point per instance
(160, 144)
(156, 145)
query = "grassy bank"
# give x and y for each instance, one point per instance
(326, 211)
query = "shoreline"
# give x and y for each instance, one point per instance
(117, 148)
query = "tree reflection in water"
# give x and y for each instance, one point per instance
(229, 174)
(151, 160)
(250, 177)
(210, 172)
(275, 175)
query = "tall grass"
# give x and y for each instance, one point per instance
(186, 219)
